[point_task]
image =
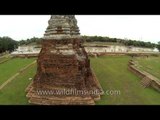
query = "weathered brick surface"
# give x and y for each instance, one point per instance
(63, 64)
(57, 70)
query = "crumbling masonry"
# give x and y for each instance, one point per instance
(63, 64)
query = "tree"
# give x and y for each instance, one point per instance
(158, 46)
(29, 41)
(7, 44)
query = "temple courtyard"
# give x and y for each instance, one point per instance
(120, 86)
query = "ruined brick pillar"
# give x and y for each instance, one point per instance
(64, 76)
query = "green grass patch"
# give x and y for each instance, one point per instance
(113, 75)
(4, 58)
(14, 92)
(150, 65)
(13, 66)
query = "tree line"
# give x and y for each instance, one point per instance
(126, 42)
(158, 46)
(29, 41)
(7, 44)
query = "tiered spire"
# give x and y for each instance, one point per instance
(62, 26)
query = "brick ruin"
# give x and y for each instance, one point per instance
(147, 80)
(63, 66)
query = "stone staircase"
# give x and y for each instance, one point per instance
(145, 82)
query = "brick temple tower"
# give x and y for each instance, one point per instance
(64, 76)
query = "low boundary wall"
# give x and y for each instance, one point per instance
(153, 81)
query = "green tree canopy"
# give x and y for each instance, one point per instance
(7, 44)
(158, 46)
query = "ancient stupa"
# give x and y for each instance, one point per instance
(64, 76)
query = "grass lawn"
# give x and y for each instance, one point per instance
(150, 65)
(113, 75)
(14, 92)
(11, 67)
(4, 58)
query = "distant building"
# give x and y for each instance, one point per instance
(117, 49)
(27, 49)
(34, 49)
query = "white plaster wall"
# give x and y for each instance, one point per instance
(118, 49)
